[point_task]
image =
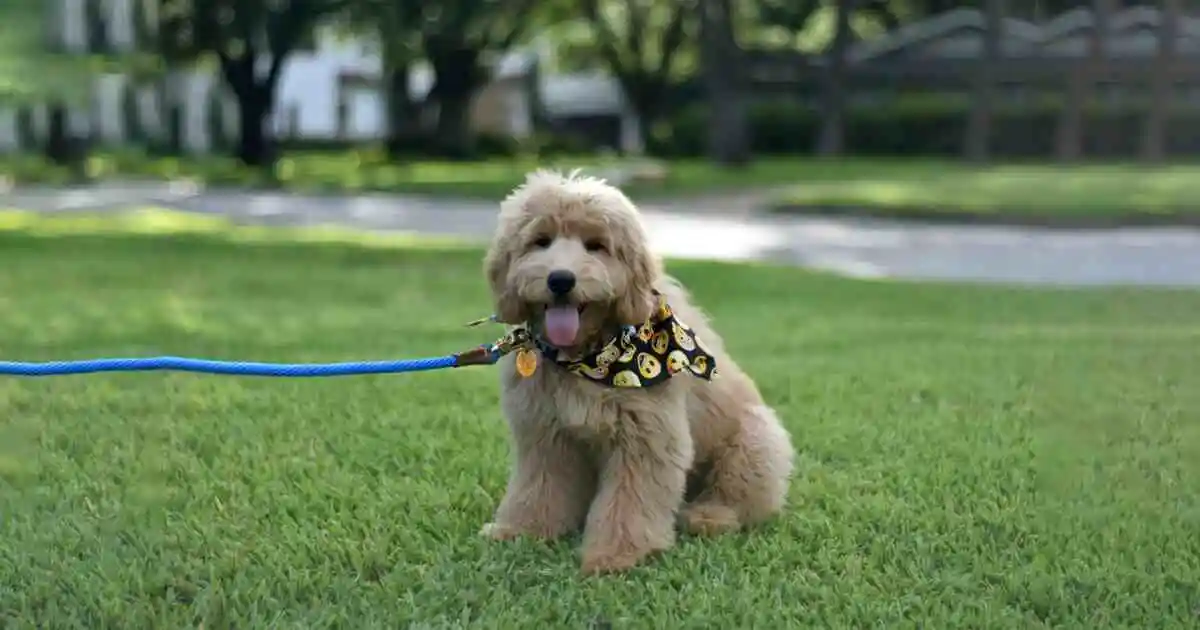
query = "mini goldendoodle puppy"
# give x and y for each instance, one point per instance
(628, 415)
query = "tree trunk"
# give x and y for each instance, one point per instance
(403, 115)
(644, 96)
(533, 94)
(255, 100)
(58, 133)
(1070, 122)
(979, 124)
(62, 146)
(455, 138)
(1080, 87)
(166, 91)
(456, 76)
(885, 13)
(646, 119)
(729, 138)
(831, 138)
(254, 144)
(1153, 149)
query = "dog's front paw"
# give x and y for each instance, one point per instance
(709, 519)
(496, 531)
(601, 563)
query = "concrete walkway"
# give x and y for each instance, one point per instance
(725, 229)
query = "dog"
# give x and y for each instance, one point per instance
(628, 419)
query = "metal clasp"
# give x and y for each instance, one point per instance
(518, 338)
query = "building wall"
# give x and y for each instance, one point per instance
(308, 95)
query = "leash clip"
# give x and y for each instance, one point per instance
(518, 338)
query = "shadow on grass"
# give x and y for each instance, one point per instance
(363, 171)
(1026, 195)
(188, 227)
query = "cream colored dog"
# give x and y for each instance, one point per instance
(623, 459)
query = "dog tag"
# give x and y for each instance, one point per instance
(526, 362)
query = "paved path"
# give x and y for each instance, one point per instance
(728, 230)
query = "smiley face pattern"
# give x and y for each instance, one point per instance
(644, 356)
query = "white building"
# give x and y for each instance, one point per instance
(313, 100)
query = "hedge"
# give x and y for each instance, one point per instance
(131, 115)
(929, 127)
(914, 126)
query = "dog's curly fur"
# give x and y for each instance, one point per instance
(626, 465)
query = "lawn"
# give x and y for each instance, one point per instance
(368, 171)
(969, 457)
(913, 188)
(1008, 193)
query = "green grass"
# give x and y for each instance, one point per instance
(969, 457)
(1020, 191)
(921, 188)
(368, 170)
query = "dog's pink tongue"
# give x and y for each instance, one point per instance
(562, 324)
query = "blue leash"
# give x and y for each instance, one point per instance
(482, 355)
(239, 368)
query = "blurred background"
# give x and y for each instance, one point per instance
(129, 81)
(1016, 111)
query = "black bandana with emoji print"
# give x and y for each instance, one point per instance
(643, 356)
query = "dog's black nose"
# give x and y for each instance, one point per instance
(560, 281)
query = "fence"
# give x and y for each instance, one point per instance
(1139, 62)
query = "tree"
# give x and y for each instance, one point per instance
(1153, 147)
(456, 37)
(243, 36)
(398, 51)
(1080, 86)
(622, 31)
(36, 71)
(396, 24)
(789, 15)
(926, 8)
(979, 122)
(722, 67)
(884, 11)
(33, 65)
(830, 140)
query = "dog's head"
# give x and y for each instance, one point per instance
(570, 258)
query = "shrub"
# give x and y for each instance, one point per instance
(494, 145)
(26, 128)
(929, 126)
(545, 144)
(131, 114)
(216, 123)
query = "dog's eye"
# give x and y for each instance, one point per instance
(542, 242)
(595, 245)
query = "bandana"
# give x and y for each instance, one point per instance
(642, 356)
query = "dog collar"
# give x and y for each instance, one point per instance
(638, 356)
(641, 356)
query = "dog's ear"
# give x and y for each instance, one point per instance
(635, 305)
(506, 304)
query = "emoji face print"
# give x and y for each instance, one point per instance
(683, 336)
(648, 366)
(626, 379)
(660, 342)
(676, 361)
(645, 355)
(664, 311)
(609, 354)
(593, 372)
